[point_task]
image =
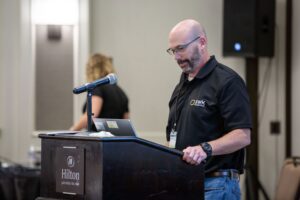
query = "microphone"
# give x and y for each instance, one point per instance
(109, 79)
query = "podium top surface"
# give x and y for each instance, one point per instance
(85, 136)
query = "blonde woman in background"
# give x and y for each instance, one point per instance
(108, 101)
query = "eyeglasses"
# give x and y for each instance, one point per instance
(180, 48)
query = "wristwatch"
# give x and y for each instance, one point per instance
(206, 148)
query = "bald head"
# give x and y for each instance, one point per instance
(187, 29)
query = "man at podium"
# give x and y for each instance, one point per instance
(209, 118)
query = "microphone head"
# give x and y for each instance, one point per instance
(112, 78)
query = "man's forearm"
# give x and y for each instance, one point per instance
(231, 142)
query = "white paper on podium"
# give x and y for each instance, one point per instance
(101, 134)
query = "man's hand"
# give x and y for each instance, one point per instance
(194, 155)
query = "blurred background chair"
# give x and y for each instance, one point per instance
(19, 183)
(288, 187)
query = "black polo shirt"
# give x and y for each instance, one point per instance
(214, 103)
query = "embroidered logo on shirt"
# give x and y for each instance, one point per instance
(198, 103)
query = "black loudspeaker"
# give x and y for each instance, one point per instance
(248, 28)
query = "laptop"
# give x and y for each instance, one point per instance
(117, 127)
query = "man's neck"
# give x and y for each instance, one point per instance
(197, 69)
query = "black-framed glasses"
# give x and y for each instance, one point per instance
(180, 48)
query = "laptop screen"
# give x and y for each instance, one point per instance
(117, 127)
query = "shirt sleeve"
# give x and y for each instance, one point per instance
(98, 91)
(235, 105)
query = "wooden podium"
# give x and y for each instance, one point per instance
(77, 166)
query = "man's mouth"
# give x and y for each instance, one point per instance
(181, 62)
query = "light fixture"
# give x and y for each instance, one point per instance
(55, 12)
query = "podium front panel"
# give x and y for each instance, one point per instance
(122, 168)
(134, 171)
(92, 168)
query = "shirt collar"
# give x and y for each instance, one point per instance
(204, 71)
(207, 68)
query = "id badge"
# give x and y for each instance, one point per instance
(173, 137)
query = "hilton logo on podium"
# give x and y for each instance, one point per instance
(70, 161)
(70, 170)
(69, 175)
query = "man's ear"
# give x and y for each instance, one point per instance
(203, 42)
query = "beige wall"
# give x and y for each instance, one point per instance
(10, 56)
(17, 92)
(135, 33)
(296, 79)
(1, 68)
(272, 147)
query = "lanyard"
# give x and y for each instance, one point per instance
(184, 96)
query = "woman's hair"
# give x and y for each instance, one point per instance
(98, 66)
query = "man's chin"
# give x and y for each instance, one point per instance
(186, 70)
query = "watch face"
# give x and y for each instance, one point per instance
(207, 148)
